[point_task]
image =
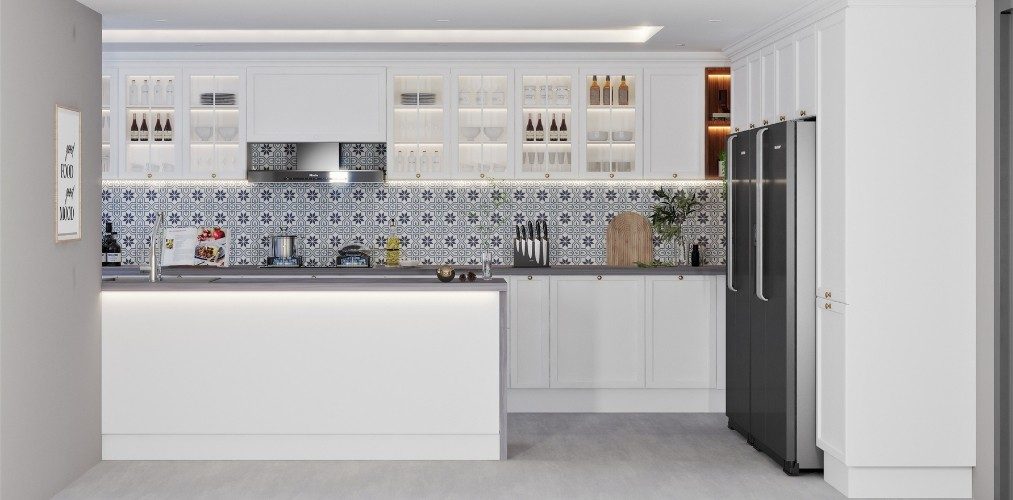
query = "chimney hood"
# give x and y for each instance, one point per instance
(317, 162)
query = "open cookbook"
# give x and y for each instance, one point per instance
(195, 246)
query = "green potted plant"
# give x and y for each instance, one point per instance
(668, 216)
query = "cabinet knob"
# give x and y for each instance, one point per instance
(149, 176)
(481, 176)
(681, 277)
(828, 305)
(546, 176)
(801, 113)
(784, 118)
(752, 126)
(214, 176)
(612, 176)
(530, 277)
(418, 176)
(765, 122)
(675, 176)
(599, 277)
(827, 294)
(736, 129)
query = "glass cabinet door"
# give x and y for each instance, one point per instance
(418, 142)
(611, 124)
(150, 135)
(483, 131)
(215, 127)
(546, 125)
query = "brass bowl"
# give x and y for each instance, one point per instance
(445, 273)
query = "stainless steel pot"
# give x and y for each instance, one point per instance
(283, 247)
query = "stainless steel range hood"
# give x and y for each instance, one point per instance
(317, 162)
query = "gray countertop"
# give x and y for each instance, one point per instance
(255, 271)
(303, 285)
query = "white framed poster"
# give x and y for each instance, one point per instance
(68, 174)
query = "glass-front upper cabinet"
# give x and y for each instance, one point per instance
(612, 123)
(418, 125)
(546, 124)
(151, 110)
(483, 123)
(110, 170)
(215, 126)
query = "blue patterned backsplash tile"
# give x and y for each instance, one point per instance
(351, 156)
(439, 222)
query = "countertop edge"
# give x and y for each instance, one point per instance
(255, 271)
(310, 285)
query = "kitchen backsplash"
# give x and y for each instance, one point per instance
(439, 222)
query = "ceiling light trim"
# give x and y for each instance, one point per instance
(638, 34)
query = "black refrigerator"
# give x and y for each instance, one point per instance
(771, 289)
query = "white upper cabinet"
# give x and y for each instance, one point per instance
(681, 332)
(787, 88)
(110, 123)
(547, 92)
(740, 96)
(214, 125)
(482, 126)
(613, 124)
(306, 104)
(806, 71)
(768, 106)
(673, 109)
(830, 177)
(419, 127)
(754, 102)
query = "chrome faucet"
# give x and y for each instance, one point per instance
(153, 254)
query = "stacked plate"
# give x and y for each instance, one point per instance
(418, 99)
(217, 99)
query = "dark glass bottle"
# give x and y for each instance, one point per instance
(112, 253)
(694, 258)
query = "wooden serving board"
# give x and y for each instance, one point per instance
(628, 240)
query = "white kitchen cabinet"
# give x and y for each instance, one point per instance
(681, 332)
(529, 332)
(597, 331)
(545, 91)
(787, 84)
(318, 103)
(482, 124)
(830, 171)
(768, 87)
(740, 96)
(673, 142)
(213, 124)
(830, 377)
(150, 95)
(419, 126)
(610, 155)
(754, 104)
(111, 136)
(806, 48)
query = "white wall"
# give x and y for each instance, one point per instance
(984, 470)
(50, 52)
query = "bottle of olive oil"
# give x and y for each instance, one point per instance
(393, 246)
(594, 93)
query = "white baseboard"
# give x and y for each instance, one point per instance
(897, 482)
(302, 447)
(615, 401)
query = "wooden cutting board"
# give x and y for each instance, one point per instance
(628, 240)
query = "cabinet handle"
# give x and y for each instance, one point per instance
(214, 176)
(827, 294)
(599, 278)
(680, 277)
(149, 176)
(482, 176)
(752, 126)
(827, 305)
(784, 118)
(546, 176)
(765, 122)
(736, 129)
(418, 176)
(612, 176)
(801, 113)
(675, 176)
(530, 277)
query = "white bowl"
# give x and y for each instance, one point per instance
(622, 135)
(228, 133)
(470, 133)
(597, 135)
(493, 133)
(204, 133)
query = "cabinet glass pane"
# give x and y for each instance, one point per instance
(214, 122)
(482, 121)
(546, 97)
(611, 123)
(418, 125)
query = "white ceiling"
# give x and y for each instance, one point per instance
(685, 21)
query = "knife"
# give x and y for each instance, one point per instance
(517, 240)
(530, 242)
(545, 242)
(538, 243)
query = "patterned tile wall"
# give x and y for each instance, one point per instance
(439, 222)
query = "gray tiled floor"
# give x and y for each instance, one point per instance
(551, 456)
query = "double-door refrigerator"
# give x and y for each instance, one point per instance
(771, 281)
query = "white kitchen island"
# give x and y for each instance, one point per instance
(335, 369)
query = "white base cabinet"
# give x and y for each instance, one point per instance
(616, 343)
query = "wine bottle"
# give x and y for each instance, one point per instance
(167, 131)
(624, 92)
(529, 131)
(135, 134)
(594, 98)
(157, 133)
(539, 129)
(143, 136)
(564, 133)
(606, 91)
(553, 129)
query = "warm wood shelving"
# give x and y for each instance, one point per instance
(718, 100)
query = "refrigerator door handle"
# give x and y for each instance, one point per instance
(729, 272)
(759, 214)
